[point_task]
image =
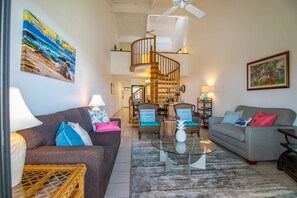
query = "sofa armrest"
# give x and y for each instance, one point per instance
(263, 142)
(116, 119)
(91, 156)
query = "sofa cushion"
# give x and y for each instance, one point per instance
(191, 123)
(106, 139)
(66, 136)
(231, 117)
(98, 116)
(147, 115)
(86, 118)
(82, 133)
(235, 132)
(73, 115)
(107, 126)
(43, 135)
(285, 117)
(149, 124)
(184, 114)
(262, 119)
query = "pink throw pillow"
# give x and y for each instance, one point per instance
(107, 126)
(262, 119)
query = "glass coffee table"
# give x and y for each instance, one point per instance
(192, 152)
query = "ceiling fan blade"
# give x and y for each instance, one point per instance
(195, 11)
(168, 12)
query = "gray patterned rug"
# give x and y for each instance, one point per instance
(225, 176)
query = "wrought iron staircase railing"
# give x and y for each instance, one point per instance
(165, 75)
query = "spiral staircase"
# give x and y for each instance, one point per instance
(164, 75)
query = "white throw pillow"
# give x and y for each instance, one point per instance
(82, 133)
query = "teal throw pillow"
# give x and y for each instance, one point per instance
(147, 115)
(231, 117)
(66, 136)
(184, 114)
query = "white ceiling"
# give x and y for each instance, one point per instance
(132, 17)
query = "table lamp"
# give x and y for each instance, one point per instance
(96, 102)
(20, 118)
(204, 92)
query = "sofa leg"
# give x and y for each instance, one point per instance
(250, 162)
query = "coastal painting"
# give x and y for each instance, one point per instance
(269, 73)
(44, 52)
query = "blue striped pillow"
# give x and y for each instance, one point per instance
(66, 136)
(184, 114)
(147, 115)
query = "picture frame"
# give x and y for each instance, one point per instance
(269, 73)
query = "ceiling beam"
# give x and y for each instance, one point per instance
(131, 8)
(153, 3)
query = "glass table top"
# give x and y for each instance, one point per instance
(192, 146)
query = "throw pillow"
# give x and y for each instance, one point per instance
(66, 136)
(98, 116)
(147, 115)
(231, 117)
(107, 126)
(243, 122)
(82, 133)
(184, 114)
(262, 119)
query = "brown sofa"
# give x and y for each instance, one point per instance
(99, 159)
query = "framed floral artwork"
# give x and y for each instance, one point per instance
(269, 73)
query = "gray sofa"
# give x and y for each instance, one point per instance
(254, 143)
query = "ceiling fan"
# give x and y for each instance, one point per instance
(183, 4)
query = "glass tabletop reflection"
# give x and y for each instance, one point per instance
(192, 146)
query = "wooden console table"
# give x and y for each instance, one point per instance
(51, 181)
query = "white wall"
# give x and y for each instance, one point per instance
(179, 38)
(90, 27)
(233, 33)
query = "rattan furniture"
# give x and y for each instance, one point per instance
(51, 181)
(149, 127)
(190, 127)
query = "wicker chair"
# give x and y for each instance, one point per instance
(185, 111)
(148, 120)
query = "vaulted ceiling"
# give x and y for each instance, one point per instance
(132, 17)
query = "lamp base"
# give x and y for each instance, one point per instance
(95, 109)
(17, 155)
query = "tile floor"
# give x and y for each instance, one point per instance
(119, 185)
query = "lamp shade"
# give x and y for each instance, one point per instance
(96, 101)
(20, 118)
(206, 89)
(20, 115)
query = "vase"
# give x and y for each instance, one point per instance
(180, 135)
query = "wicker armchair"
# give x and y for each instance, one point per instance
(148, 120)
(185, 111)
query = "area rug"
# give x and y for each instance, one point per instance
(225, 176)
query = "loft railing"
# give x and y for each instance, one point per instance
(141, 51)
(165, 82)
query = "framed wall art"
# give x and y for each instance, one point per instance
(44, 52)
(269, 73)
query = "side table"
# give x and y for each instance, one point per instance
(51, 181)
(287, 161)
